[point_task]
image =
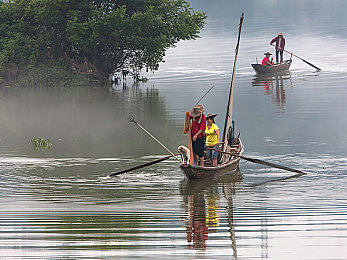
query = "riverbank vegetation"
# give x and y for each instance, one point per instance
(91, 39)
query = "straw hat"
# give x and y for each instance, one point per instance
(280, 34)
(197, 110)
(267, 53)
(212, 116)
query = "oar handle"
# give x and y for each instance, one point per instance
(141, 166)
(291, 53)
(253, 160)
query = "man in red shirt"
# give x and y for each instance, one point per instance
(198, 133)
(266, 61)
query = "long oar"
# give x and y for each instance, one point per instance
(204, 95)
(253, 160)
(131, 119)
(309, 63)
(141, 166)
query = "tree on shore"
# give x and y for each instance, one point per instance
(100, 36)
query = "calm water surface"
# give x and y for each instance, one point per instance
(59, 204)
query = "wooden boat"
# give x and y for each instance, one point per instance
(230, 166)
(279, 67)
(228, 163)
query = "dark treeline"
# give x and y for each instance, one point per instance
(92, 37)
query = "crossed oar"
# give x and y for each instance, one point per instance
(132, 119)
(253, 160)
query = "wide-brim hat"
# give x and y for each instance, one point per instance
(280, 34)
(212, 116)
(267, 53)
(197, 110)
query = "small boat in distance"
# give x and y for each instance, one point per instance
(276, 68)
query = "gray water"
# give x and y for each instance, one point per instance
(60, 204)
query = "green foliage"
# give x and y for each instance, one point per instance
(39, 143)
(52, 73)
(100, 36)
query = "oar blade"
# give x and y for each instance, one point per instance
(309, 63)
(141, 166)
(253, 160)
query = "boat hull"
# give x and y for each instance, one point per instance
(193, 172)
(262, 69)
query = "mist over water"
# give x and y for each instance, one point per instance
(60, 204)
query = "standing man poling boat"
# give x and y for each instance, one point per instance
(212, 138)
(280, 43)
(198, 133)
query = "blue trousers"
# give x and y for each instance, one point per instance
(281, 53)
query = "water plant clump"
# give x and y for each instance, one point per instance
(39, 143)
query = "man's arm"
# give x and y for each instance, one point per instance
(202, 128)
(197, 134)
(273, 40)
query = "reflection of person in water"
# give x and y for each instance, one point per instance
(280, 97)
(212, 213)
(266, 86)
(200, 219)
(199, 228)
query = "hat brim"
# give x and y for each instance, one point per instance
(195, 113)
(211, 116)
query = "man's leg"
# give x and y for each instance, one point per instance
(281, 52)
(201, 161)
(196, 159)
(277, 55)
(214, 162)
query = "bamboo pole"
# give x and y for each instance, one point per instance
(229, 113)
(131, 119)
(187, 129)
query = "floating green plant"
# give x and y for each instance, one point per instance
(39, 143)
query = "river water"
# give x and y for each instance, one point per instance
(60, 204)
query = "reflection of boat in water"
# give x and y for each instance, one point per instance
(202, 204)
(274, 87)
(278, 67)
(189, 187)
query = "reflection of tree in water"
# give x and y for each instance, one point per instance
(150, 109)
(202, 206)
(274, 87)
(88, 121)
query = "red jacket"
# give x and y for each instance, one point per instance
(265, 61)
(196, 126)
(277, 40)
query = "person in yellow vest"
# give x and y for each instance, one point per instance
(212, 137)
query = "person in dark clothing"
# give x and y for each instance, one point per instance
(198, 133)
(280, 43)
